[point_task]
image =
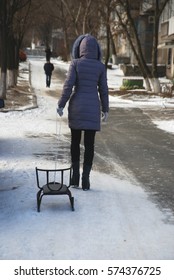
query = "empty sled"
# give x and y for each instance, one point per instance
(52, 182)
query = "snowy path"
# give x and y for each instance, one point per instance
(115, 220)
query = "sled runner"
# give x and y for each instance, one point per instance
(50, 186)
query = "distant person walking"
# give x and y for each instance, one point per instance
(48, 54)
(48, 67)
(87, 91)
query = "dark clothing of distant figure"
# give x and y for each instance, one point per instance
(48, 67)
(48, 54)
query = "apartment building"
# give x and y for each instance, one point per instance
(143, 14)
(166, 39)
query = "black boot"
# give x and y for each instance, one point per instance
(75, 174)
(85, 177)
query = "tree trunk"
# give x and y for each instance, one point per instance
(155, 85)
(107, 36)
(147, 82)
(151, 77)
(155, 41)
(107, 45)
(66, 45)
(88, 4)
(114, 53)
(3, 81)
(11, 78)
(11, 60)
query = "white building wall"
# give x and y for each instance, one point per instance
(168, 11)
(171, 26)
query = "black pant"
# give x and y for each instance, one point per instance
(48, 80)
(89, 139)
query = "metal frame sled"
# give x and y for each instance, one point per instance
(52, 187)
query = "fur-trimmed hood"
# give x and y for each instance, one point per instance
(87, 46)
(85, 86)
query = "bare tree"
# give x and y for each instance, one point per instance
(18, 20)
(60, 15)
(9, 40)
(73, 12)
(127, 22)
(3, 59)
(159, 7)
(105, 11)
(74, 18)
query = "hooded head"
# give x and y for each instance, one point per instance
(87, 46)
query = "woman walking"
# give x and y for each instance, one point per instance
(86, 89)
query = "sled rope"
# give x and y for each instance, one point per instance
(58, 134)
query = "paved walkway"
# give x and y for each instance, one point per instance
(130, 138)
(116, 219)
(146, 151)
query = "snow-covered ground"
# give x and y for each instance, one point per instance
(115, 220)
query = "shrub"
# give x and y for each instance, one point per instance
(132, 84)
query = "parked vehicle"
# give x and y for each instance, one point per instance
(22, 55)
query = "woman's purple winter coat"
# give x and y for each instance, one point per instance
(86, 87)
